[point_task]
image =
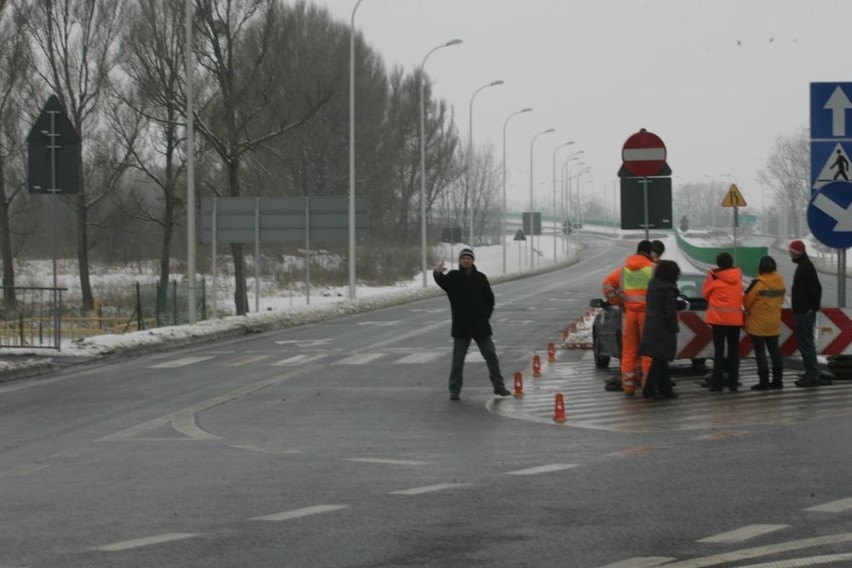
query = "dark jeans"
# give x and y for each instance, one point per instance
(805, 324)
(726, 360)
(762, 344)
(489, 353)
(659, 379)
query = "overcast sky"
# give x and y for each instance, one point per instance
(717, 80)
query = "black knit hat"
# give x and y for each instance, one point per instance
(466, 252)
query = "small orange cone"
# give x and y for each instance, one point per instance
(565, 333)
(551, 352)
(519, 385)
(559, 411)
(536, 365)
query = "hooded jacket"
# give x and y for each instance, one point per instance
(807, 291)
(762, 302)
(471, 301)
(723, 290)
(628, 284)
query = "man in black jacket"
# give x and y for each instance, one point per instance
(471, 303)
(805, 300)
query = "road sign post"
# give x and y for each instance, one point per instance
(643, 155)
(736, 200)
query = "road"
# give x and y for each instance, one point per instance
(335, 445)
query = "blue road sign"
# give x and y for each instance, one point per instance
(831, 104)
(830, 161)
(830, 215)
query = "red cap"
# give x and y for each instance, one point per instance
(797, 247)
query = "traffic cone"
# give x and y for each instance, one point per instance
(551, 352)
(559, 411)
(519, 385)
(536, 365)
(565, 333)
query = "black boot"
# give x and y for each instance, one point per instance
(763, 384)
(777, 378)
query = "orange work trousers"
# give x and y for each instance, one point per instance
(633, 366)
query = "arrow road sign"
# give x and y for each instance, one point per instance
(830, 215)
(830, 106)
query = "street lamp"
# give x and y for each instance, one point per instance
(532, 226)
(576, 208)
(190, 169)
(470, 154)
(555, 151)
(503, 224)
(423, 155)
(352, 151)
(586, 170)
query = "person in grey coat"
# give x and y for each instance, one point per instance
(471, 304)
(659, 338)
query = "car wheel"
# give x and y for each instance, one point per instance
(601, 361)
(699, 364)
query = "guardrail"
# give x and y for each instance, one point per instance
(31, 317)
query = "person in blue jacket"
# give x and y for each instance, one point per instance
(471, 304)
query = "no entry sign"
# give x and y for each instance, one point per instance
(644, 154)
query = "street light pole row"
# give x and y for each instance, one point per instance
(470, 157)
(532, 226)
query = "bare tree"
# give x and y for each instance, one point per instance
(77, 41)
(787, 175)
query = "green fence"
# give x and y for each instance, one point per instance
(746, 258)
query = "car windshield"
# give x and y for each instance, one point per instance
(690, 285)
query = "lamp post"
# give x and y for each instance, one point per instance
(586, 170)
(423, 155)
(470, 156)
(352, 151)
(555, 151)
(532, 226)
(190, 168)
(576, 208)
(565, 193)
(505, 211)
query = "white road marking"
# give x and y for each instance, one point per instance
(180, 362)
(743, 533)
(832, 507)
(301, 358)
(808, 561)
(304, 342)
(428, 489)
(239, 361)
(386, 461)
(418, 358)
(643, 562)
(23, 470)
(297, 513)
(148, 541)
(359, 359)
(543, 469)
(72, 453)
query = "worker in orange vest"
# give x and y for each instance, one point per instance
(627, 286)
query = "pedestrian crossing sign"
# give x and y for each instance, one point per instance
(734, 198)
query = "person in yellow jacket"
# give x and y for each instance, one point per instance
(627, 286)
(762, 302)
(723, 290)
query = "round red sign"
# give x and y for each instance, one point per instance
(644, 154)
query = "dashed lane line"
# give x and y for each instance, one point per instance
(429, 489)
(386, 461)
(543, 469)
(298, 359)
(23, 470)
(182, 362)
(298, 513)
(641, 562)
(147, 541)
(246, 360)
(359, 359)
(800, 562)
(744, 533)
(833, 507)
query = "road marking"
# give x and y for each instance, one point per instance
(428, 489)
(721, 435)
(386, 461)
(23, 470)
(72, 453)
(643, 562)
(631, 452)
(180, 362)
(543, 469)
(418, 358)
(798, 562)
(743, 533)
(239, 361)
(148, 541)
(359, 359)
(832, 507)
(297, 513)
(264, 449)
(756, 552)
(301, 358)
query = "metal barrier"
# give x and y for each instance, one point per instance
(31, 317)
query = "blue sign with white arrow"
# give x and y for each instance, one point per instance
(830, 215)
(831, 104)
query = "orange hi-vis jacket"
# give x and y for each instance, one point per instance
(628, 285)
(762, 303)
(723, 290)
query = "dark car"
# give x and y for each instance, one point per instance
(606, 327)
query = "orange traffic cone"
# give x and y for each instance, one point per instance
(551, 352)
(559, 411)
(536, 365)
(519, 385)
(565, 333)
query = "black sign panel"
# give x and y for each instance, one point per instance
(52, 142)
(536, 223)
(451, 235)
(659, 203)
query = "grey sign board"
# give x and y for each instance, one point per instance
(281, 219)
